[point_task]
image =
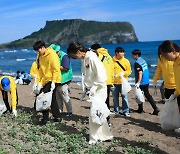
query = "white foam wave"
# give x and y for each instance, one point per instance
(20, 59)
(8, 73)
(10, 51)
(153, 65)
(25, 50)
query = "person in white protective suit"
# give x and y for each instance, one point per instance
(94, 80)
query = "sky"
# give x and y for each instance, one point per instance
(153, 20)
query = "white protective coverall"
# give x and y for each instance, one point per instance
(94, 76)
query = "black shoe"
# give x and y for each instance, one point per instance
(139, 111)
(155, 112)
(69, 114)
(43, 122)
(57, 119)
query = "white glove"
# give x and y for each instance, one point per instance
(155, 88)
(112, 88)
(115, 75)
(34, 87)
(35, 76)
(121, 74)
(14, 111)
(172, 97)
(92, 90)
(154, 85)
(52, 86)
(137, 84)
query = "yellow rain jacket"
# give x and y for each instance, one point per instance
(165, 70)
(34, 69)
(12, 90)
(117, 69)
(49, 67)
(176, 75)
(108, 64)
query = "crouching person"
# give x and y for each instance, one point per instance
(49, 77)
(8, 85)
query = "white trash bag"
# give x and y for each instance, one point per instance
(126, 87)
(98, 110)
(139, 95)
(43, 101)
(2, 107)
(169, 116)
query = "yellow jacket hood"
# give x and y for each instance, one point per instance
(108, 64)
(103, 51)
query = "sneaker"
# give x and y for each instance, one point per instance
(139, 111)
(126, 114)
(69, 115)
(155, 112)
(43, 122)
(57, 119)
(177, 130)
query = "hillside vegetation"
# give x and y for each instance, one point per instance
(86, 32)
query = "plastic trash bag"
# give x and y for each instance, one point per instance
(98, 110)
(2, 107)
(43, 101)
(169, 116)
(139, 95)
(126, 87)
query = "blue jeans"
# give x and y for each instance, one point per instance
(125, 104)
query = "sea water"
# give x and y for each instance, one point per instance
(21, 59)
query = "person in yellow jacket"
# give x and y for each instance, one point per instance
(8, 85)
(121, 67)
(171, 51)
(165, 70)
(109, 66)
(48, 76)
(34, 70)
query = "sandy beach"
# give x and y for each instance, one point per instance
(130, 130)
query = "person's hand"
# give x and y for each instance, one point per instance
(121, 74)
(172, 97)
(154, 85)
(39, 87)
(155, 88)
(52, 86)
(115, 75)
(92, 91)
(34, 87)
(112, 88)
(14, 111)
(35, 76)
(137, 84)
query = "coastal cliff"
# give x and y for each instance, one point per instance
(86, 32)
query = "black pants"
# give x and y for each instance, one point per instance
(27, 81)
(107, 99)
(145, 89)
(5, 99)
(54, 106)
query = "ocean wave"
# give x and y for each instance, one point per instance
(8, 73)
(10, 51)
(20, 59)
(25, 50)
(153, 65)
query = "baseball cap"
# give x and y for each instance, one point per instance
(5, 82)
(55, 47)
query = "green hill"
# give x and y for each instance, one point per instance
(86, 32)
